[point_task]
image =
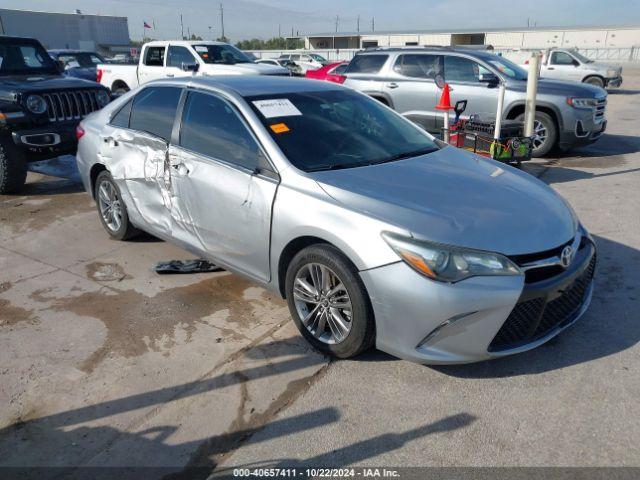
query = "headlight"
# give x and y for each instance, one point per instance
(446, 263)
(102, 98)
(586, 103)
(612, 73)
(36, 104)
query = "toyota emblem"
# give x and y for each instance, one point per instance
(566, 256)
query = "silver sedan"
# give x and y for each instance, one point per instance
(374, 232)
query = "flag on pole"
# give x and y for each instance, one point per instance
(146, 25)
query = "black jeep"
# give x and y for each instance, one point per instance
(39, 108)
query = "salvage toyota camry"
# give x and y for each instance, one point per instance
(374, 232)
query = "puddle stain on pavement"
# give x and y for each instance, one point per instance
(12, 315)
(136, 323)
(106, 272)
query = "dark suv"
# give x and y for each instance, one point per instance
(39, 108)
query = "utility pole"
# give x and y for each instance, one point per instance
(358, 24)
(279, 31)
(181, 28)
(222, 20)
(373, 24)
(210, 36)
(337, 22)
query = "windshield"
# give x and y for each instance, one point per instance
(581, 57)
(328, 130)
(24, 57)
(226, 54)
(508, 68)
(317, 57)
(82, 59)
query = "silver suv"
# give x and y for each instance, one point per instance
(568, 114)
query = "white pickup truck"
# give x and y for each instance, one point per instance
(569, 64)
(182, 59)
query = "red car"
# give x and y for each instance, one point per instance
(329, 73)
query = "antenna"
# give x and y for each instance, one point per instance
(222, 20)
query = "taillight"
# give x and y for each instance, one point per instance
(98, 75)
(337, 78)
(526, 62)
(79, 132)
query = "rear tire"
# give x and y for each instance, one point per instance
(343, 324)
(595, 81)
(545, 133)
(111, 208)
(13, 167)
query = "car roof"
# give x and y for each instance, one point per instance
(254, 85)
(62, 50)
(473, 52)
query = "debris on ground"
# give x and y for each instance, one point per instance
(186, 266)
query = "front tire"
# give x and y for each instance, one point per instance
(328, 302)
(111, 208)
(545, 133)
(595, 81)
(13, 167)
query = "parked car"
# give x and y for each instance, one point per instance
(39, 108)
(569, 64)
(306, 61)
(181, 59)
(288, 64)
(374, 232)
(78, 63)
(407, 79)
(329, 73)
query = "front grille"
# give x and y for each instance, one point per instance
(533, 319)
(74, 105)
(598, 113)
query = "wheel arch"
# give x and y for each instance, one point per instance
(594, 75)
(518, 108)
(93, 176)
(119, 83)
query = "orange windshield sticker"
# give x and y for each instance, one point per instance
(280, 128)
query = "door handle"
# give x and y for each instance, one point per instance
(550, 68)
(392, 85)
(180, 168)
(170, 75)
(111, 140)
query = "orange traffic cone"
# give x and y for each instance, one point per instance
(445, 99)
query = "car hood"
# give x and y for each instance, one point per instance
(88, 73)
(11, 86)
(256, 69)
(561, 87)
(457, 198)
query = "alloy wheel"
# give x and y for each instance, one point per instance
(322, 303)
(540, 134)
(110, 205)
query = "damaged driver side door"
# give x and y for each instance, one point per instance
(139, 161)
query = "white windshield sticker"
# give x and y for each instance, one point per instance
(201, 48)
(278, 107)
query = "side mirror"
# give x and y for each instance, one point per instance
(60, 66)
(190, 67)
(490, 79)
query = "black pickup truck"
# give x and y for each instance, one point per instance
(39, 108)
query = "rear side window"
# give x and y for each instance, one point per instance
(211, 127)
(121, 119)
(367, 63)
(154, 110)
(178, 56)
(154, 57)
(419, 66)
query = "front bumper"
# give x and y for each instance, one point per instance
(613, 82)
(437, 323)
(48, 140)
(581, 129)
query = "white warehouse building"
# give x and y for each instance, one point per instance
(505, 38)
(102, 33)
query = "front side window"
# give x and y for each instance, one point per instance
(418, 66)
(154, 111)
(224, 54)
(561, 58)
(367, 63)
(334, 129)
(460, 69)
(154, 57)
(24, 57)
(178, 56)
(211, 127)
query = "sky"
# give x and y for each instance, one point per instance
(245, 19)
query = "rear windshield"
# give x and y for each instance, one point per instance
(367, 63)
(335, 129)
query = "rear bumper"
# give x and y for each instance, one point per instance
(47, 141)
